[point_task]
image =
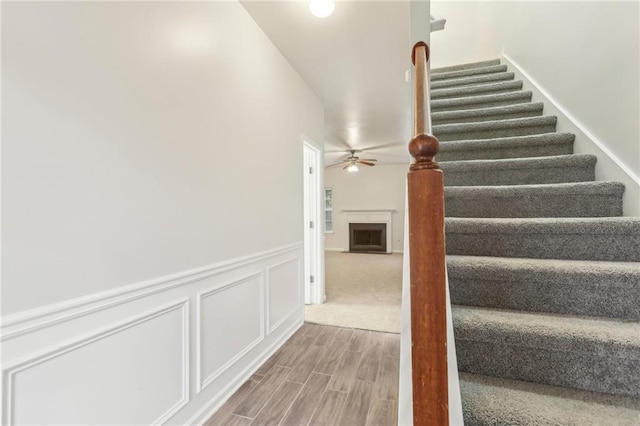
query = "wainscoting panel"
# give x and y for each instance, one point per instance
(135, 372)
(228, 329)
(284, 293)
(168, 350)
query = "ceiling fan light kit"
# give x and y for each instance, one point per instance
(351, 163)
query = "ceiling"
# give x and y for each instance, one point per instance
(355, 60)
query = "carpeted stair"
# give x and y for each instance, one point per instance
(544, 271)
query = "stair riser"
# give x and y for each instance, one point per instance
(477, 119)
(449, 93)
(468, 73)
(577, 246)
(470, 106)
(517, 176)
(514, 151)
(581, 205)
(498, 401)
(479, 102)
(591, 371)
(575, 294)
(469, 66)
(468, 81)
(495, 133)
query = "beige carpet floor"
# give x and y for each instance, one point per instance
(363, 291)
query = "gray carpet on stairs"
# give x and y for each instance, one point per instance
(476, 89)
(477, 79)
(468, 72)
(579, 287)
(520, 171)
(581, 199)
(543, 269)
(611, 239)
(544, 145)
(599, 355)
(472, 65)
(495, 128)
(485, 101)
(495, 401)
(488, 114)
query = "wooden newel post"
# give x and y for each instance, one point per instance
(427, 261)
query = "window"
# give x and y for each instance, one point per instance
(328, 210)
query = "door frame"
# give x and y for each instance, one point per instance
(313, 211)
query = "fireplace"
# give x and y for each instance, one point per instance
(366, 237)
(379, 224)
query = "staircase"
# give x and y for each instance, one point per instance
(544, 271)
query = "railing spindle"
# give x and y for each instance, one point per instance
(427, 261)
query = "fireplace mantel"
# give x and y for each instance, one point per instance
(371, 216)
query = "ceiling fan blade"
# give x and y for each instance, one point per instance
(346, 165)
(368, 159)
(366, 163)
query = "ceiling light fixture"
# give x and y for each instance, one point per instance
(321, 8)
(352, 168)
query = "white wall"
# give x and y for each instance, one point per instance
(585, 55)
(378, 187)
(152, 181)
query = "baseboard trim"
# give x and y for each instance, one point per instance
(18, 324)
(221, 397)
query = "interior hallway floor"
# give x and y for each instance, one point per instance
(363, 291)
(321, 376)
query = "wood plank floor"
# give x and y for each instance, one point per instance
(321, 376)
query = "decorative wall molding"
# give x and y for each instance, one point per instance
(25, 322)
(35, 337)
(10, 370)
(274, 326)
(203, 382)
(232, 386)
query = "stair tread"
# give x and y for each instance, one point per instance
(480, 99)
(483, 112)
(491, 69)
(441, 129)
(492, 400)
(541, 139)
(576, 160)
(557, 332)
(502, 268)
(596, 288)
(550, 189)
(470, 80)
(546, 225)
(464, 91)
(469, 65)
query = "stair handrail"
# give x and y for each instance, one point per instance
(425, 182)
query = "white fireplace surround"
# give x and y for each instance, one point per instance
(370, 216)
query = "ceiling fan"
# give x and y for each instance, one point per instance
(351, 163)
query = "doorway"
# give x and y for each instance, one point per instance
(313, 224)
